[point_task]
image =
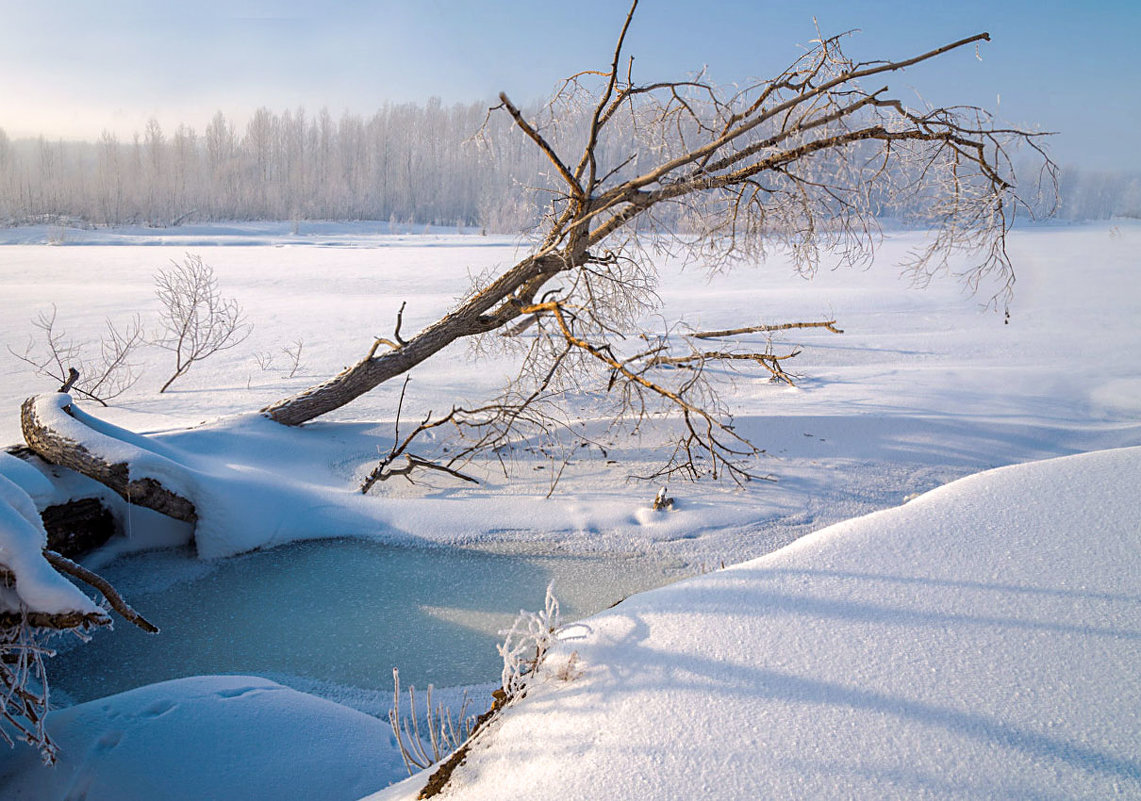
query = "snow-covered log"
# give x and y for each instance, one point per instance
(28, 583)
(37, 601)
(128, 464)
(76, 523)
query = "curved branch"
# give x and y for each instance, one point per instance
(70, 568)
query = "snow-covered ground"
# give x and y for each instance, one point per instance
(962, 642)
(923, 387)
(981, 641)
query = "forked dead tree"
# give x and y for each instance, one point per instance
(803, 162)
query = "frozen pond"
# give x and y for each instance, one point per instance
(335, 616)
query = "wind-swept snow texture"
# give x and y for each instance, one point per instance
(982, 641)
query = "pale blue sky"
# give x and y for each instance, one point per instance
(72, 68)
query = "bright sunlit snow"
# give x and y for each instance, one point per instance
(981, 641)
(976, 642)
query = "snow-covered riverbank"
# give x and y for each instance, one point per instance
(979, 642)
(854, 662)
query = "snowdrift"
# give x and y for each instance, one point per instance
(214, 737)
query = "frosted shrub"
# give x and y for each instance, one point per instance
(53, 354)
(523, 649)
(196, 321)
(24, 687)
(526, 643)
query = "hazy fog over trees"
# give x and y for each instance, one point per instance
(406, 163)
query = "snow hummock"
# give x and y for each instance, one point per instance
(214, 737)
(981, 641)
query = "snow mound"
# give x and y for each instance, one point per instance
(217, 737)
(979, 642)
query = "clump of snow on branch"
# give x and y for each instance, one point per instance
(35, 585)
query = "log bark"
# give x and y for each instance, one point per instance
(75, 526)
(46, 620)
(57, 449)
(61, 622)
(78, 526)
(511, 292)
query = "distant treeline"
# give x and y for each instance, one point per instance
(406, 163)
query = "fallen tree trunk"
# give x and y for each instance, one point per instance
(77, 449)
(494, 306)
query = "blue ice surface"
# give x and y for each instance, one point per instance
(336, 614)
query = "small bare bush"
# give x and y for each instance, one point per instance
(196, 320)
(53, 354)
(443, 732)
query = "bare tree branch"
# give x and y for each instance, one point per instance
(828, 325)
(70, 568)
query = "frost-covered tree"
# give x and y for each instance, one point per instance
(803, 160)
